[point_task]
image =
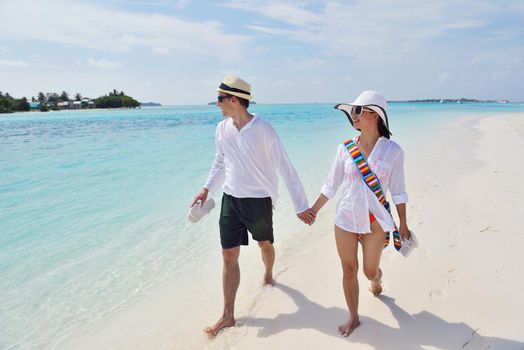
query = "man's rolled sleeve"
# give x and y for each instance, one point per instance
(289, 174)
(216, 176)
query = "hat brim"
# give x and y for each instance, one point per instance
(347, 107)
(237, 94)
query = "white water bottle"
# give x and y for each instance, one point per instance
(198, 210)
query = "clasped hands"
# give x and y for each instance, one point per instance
(308, 216)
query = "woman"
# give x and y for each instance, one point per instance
(360, 216)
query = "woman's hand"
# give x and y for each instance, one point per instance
(308, 216)
(404, 232)
(403, 227)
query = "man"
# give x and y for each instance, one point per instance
(248, 155)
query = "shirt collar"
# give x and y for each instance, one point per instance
(248, 125)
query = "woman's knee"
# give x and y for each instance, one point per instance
(371, 272)
(350, 268)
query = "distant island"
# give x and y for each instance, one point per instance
(56, 102)
(453, 100)
(150, 104)
(212, 103)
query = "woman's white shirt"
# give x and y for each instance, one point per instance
(352, 213)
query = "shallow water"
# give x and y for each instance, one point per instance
(94, 238)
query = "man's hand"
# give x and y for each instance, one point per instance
(201, 196)
(307, 216)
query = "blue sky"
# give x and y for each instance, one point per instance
(177, 52)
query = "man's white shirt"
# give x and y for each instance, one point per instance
(247, 162)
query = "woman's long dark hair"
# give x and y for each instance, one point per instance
(382, 130)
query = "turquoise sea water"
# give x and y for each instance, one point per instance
(93, 211)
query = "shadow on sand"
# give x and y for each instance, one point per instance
(413, 332)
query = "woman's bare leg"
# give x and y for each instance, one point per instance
(372, 246)
(347, 247)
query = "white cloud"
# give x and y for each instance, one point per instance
(104, 28)
(363, 29)
(181, 4)
(291, 13)
(443, 77)
(261, 50)
(161, 51)
(283, 82)
(104, 64)
(13, 63)
(145, 3)
(500, 74)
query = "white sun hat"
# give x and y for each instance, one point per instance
(235, 86)
(370, 99)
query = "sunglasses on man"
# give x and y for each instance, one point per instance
(358, 110)
(222, 98)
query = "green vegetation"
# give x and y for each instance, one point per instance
(9, 104)
(55, 102)
(116, 99)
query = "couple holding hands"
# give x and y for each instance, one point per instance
(248, 155)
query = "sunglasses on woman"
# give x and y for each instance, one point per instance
(358, 110)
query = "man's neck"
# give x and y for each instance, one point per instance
(241, 118)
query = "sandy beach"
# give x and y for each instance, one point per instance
(96, 248)
(461, 289)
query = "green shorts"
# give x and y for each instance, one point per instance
(239, 215)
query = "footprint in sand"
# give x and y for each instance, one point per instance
(489, 229)
(451, 280)
(437, 293)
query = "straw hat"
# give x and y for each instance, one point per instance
(370, 99)
(235, 86)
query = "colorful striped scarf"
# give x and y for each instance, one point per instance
(373, 183)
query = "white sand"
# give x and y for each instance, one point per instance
(462, 289)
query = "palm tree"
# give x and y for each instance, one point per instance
(41, 97)
(52, 97)
(64, 96)
(78, 97)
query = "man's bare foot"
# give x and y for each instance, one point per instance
(376, 284)
(221, 324)
(268, 280)
(349, 327)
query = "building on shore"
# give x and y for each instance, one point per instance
(85, 103)
(34, 105)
